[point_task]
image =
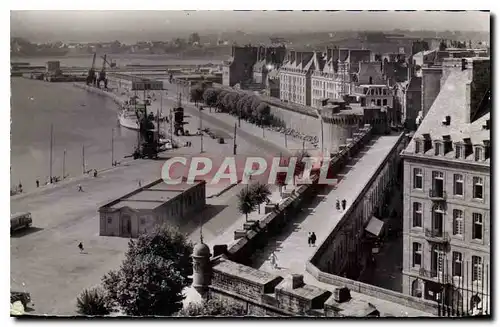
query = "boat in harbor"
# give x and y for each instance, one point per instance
(128, 119)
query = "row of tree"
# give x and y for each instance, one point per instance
(247, 107)
(150, 281)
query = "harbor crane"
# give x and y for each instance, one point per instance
(91, 78)
(102, 74)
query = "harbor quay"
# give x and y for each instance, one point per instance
(63, 217)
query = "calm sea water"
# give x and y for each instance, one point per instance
(79, 119)
(120, 59)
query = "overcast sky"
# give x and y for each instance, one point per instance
(60, 22)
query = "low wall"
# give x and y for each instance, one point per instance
(101, 92)
(318, 260)
(272, 224)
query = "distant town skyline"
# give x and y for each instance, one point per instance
(82, 25)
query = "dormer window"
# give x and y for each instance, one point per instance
(459, 150)
(438, 148)
(478, 153)
(418, 146)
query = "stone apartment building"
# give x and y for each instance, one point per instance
(251, 65)
(446, 255)
(308, 78)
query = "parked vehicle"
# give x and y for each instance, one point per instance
(20, 221)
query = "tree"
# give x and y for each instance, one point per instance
(264, 113)
(213, 307)
(246, 204)
(153, 275)
(197, 92)
(92, 303)
(300, 165)
(260, 193)
(210, 97)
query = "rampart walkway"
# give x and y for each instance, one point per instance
(291, 247)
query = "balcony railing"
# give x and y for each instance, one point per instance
(437, 195)
(435, 275)
(438, 236)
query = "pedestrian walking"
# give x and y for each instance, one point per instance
(313, 239)
(80, 189)
(95, 172)
(337, 205)
(274, 260)
(140, 184)
(309, 239)
(344, 203)
(80, 246)
(20, 187)
(37, 183)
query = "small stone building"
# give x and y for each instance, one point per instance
(153, 204)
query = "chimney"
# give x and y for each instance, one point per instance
(292, 56)
(447, 120)
(299, 58)
(486, 126)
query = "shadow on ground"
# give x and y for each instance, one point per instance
(190, 224)
(24, 232)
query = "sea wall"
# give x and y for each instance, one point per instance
(101, 92)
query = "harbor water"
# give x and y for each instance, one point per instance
(84, 127)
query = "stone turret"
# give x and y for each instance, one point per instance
(202, 269)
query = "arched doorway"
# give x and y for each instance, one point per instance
(416, 288)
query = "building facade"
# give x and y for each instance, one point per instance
(446, 193)
(153, 204)
(132, 82)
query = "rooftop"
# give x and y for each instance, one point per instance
(149, 196)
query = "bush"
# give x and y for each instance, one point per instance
(210, 97)
(92, 302)
(212, 308)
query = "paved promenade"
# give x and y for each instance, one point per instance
(45, 260)
(291, 247)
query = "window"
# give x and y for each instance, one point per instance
(417, 178)
(437, 183)
(458, 184)
(143, 221)
(477, 187)
(458, 222)
(437, 259)
(477, 226)
(378, 102)
(417, 254)
(478, 155)
(384, 102)
(110, 220)
(457, 264)
(458, 151)
(417, 146)
(437, 148)
(417, 214)
(476, 269)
